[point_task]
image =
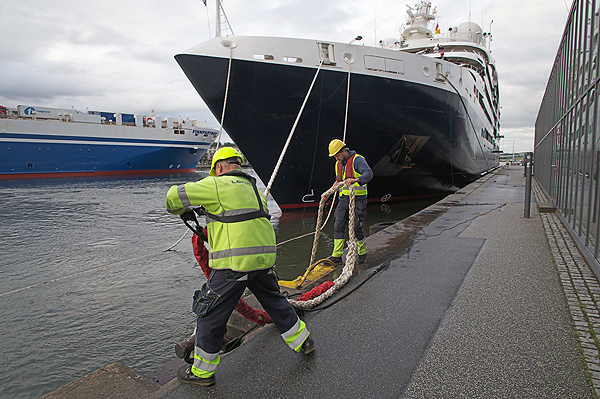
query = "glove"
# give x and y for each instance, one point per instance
(188, 216)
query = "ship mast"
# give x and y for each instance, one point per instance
(222, 23)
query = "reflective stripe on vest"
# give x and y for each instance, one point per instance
(234, 216)
(227, 253)
(342, 174)
(185, 201)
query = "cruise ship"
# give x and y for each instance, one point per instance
(423, 108)
(41, 142)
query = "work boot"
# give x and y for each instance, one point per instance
(308, 346)
(185, 375)
(362, 258)
(337, 260)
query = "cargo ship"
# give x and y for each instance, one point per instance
(41, 142)
(423, 108)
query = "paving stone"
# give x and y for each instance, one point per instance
(595, 376)
(587, 345)
(592, 359)
(593, 366)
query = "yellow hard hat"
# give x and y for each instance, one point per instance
(335, 146)
(225, 153)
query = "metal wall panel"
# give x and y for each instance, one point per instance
(567, 130)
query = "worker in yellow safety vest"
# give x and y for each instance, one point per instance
(352, 169)
(242, 251)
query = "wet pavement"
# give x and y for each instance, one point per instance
(468, 304)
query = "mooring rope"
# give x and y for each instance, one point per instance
(287, 143)
(347, 101)
(226, 95)
(350, 256)
(96, 268)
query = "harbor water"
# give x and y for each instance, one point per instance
(86, 281)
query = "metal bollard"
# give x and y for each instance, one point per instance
(528, 160)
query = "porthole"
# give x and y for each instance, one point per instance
(426, 70)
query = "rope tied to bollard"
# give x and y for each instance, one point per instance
(351, 256)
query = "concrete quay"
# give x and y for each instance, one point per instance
(465, 299)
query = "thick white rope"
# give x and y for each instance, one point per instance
(225, 99)
(350, 256)
(289, 139)
(347, 101)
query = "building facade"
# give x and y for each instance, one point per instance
(567, 130)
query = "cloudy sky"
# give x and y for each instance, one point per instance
(117, 56)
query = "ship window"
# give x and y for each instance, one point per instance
(374, 63)
(384, 64)
(293, 59)
(392, 65)
(266, 57)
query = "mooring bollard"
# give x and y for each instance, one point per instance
(528, 159)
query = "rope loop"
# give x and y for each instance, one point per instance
(351, 256)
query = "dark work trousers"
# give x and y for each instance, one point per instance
(216, 300)
(341, 217)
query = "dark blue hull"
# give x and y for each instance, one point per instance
(42, 156)
(264, 100)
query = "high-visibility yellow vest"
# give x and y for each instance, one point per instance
(341, 173)
(240, 235)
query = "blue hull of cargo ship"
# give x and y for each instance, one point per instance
(40, 156)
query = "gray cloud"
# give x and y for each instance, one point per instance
(116, 55)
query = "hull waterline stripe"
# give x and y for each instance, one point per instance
(35, 138)
(44, 175)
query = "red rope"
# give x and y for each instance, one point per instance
(315, 292)
(259, 317)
